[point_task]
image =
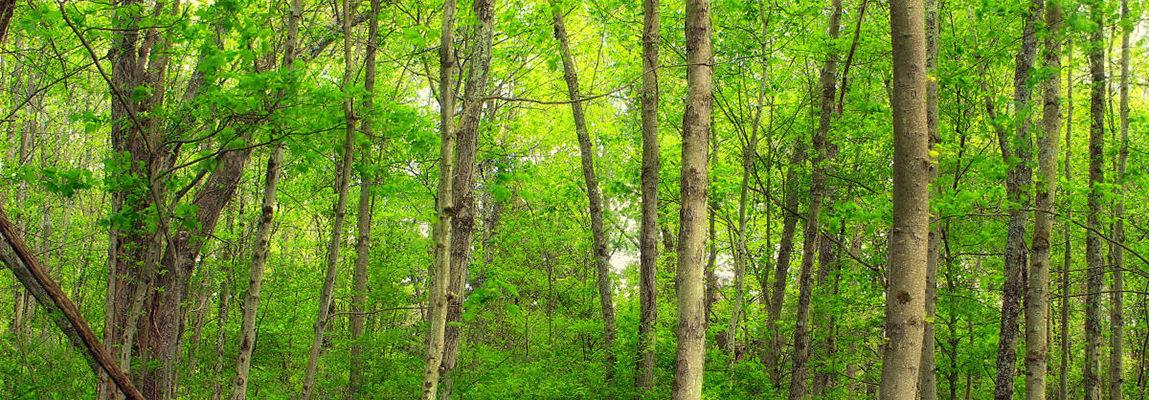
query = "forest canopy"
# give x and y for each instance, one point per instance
(574, 199)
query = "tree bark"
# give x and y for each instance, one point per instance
(363, 216)
(263, 228)
(1096, 267)
(690, 354)
(1037, 293)
(782, 267)
(1066, 288)
(343, 182)
(811, 230)
(928, 381)
(1116, 295)
(648, 234)
(594, 194)
(1017, 152)
(909, 238)
(19, 258)
(462, 224)
(440, 271)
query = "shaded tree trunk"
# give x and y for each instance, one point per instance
(648, 235)
(343, 182)
(909, 238)
(263, 229)
(1096, 267)
(928, 380)
(363, 215)
(811, 230)
(1066, 288)
(1116, 289)
(462, 224)
(594, 194)
(691, 332)
(1017, 152)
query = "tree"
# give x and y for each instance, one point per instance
(909, 238)
(1092, 380)
(648, 233)
(691, 332)
(811, 231)
(593, 193)
(343, 183)
(1037, 293)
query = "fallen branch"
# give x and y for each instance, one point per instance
(63, 311)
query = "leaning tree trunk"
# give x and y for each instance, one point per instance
(440, 270)
(15, 254)
(648, 235)
(463, 222)
(1037, 294)
(691, 351)
(782, 267)
(1116, 295)
(811, 230)
(344, 180)
(1096, 265)
(355, 381)
(594, 195)
(1017, 152)
(263, 229)
(909, 238)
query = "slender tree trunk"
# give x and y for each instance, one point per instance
(1037, 294)
(1096, 267)
(909, 238)
(749, 151)
(462, 224)
(691, 351)
(782, 267)
(811, 230)
(1066, 288)
(263, 229)
(928, 380)
(1016, 152)
(648, 235)
(440, 271)
(1116, 295)
(343, 182)
(221, 336)
(586, 149)
(363, 215)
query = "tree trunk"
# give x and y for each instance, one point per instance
(16, 255)
(594, 195)
(221, 336)
(928, 380)
(1066, 288)
(811, 230)
(690, 354)
(363, 216)
(648, 236)
(1116, 295)
(749, 151)
(462, 224)
(1037, 294)
(343, 182)
(1017, 153)
(1096, 265)
(782, 267)
(909, 238)
(440, 271)
(263, 229)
